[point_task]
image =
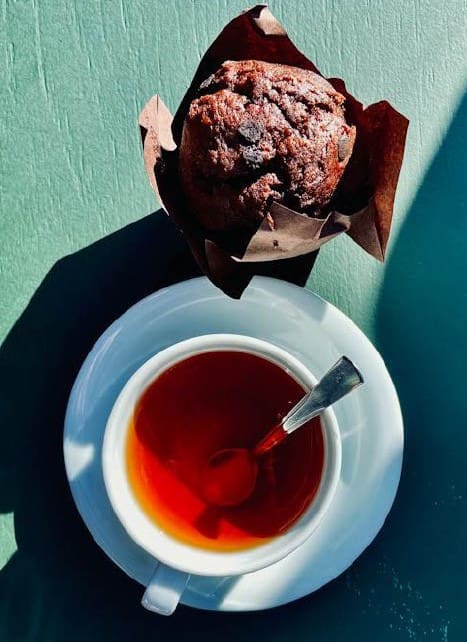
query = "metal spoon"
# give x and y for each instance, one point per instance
(229, 477)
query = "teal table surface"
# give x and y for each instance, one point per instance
(80, 241)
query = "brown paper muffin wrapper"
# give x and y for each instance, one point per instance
(286, 245)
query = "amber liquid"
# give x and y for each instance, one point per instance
(201, 405)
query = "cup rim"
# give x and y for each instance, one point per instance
(153, 539)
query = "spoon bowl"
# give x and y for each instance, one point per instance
(229, 477)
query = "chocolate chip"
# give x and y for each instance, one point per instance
(252, 156)
(205, 84)
(275, 243)
(251, 131)
(344, 148)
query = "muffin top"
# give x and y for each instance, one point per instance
(258, 133)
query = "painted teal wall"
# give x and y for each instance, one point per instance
(74, 76)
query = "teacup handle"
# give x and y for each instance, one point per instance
(165, 589)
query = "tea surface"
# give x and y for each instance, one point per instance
(201, 405)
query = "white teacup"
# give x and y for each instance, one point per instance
(178, 560)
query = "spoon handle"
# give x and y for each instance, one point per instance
(341, 379)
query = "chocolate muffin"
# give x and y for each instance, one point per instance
(257, 133)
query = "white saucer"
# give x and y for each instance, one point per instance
(308, 327)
